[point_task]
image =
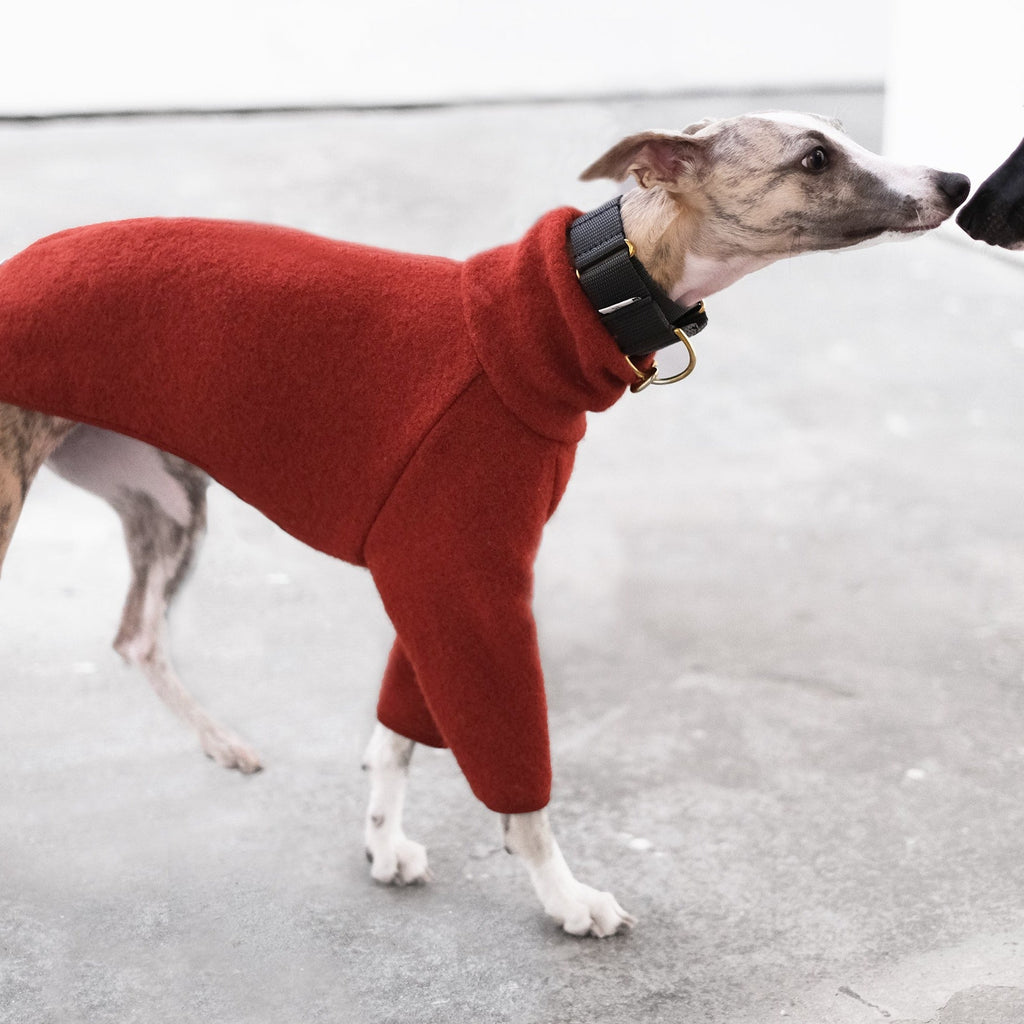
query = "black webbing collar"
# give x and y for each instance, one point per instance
(637, 312)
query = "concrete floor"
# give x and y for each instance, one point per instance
(781, 607)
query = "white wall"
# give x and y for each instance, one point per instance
(955, 90)
(955, 86)
(94, 55)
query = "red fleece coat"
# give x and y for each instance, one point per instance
(415, 415)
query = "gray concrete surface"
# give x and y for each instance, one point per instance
(782, 612)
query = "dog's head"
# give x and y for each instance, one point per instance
(996, 212)
(777, 184)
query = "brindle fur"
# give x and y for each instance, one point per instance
(735, 195)
(26, 440)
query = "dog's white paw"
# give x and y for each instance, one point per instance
(581, 910)
(229, 751)
(402, 862)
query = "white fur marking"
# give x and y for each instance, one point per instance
(395, 859)
(578, 908)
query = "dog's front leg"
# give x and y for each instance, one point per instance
(394, 859)
(578, 908)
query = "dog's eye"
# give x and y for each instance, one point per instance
(816, 161)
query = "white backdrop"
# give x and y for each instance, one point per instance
(66, 55)
(955, 90)
(954, 93)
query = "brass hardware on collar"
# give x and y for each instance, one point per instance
(648, 377)
(643, 378)
(690, 366)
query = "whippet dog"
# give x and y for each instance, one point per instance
(712, 203)
(995, 213)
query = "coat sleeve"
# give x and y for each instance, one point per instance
(401, 706)
(452, 554)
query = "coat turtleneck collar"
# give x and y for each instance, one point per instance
(536, 334)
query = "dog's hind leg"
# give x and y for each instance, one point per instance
(161, 501)
(26, 439)
(394, 858)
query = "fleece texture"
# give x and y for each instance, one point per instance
(415, 415)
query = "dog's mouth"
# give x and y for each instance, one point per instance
(919, 227)
(870, 236)
(904, 229)
(853, 238)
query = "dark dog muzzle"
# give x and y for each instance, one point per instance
(996, 213)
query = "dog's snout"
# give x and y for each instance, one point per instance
(956, 187)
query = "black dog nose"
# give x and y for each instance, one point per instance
(957, 187)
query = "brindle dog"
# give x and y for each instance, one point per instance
(714, 202)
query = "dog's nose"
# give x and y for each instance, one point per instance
(956, 187)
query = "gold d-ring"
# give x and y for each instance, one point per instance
(651, 376)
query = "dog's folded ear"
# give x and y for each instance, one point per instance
(667, 159)
(692, 129)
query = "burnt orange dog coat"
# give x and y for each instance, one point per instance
(415, 415)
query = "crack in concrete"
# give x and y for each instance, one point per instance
(845, 990)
